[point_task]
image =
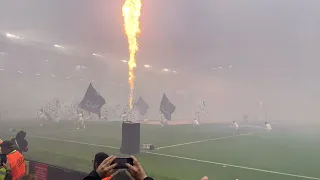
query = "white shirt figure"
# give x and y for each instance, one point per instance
(197, 116)
(41, 116)
(162, 119)
(125, 113)
(57, 120)
(145, 120)
(124, 116)
(268, 126)
(235, 125)
(105, 116)
(81, 121)
(80, 117)
(195, 122)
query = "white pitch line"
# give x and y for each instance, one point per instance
(234, 166)
(75, 142)
(179, 157)
(194, 142)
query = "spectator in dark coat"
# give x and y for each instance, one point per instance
(98, 159)
(20, 142)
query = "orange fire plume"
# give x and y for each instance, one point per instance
(131, 11)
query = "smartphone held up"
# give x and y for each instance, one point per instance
(121, 162)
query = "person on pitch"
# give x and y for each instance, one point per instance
(236, 125)
(124, 116)
(41, 116)
(145, 120)
(197, 116)
(105, 116)
(195, 122)
(80, 121)
(163, 120)
(57, 120)
(268, 126)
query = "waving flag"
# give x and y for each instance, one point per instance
(203, 106)
(142, 106)
(52, 110)
(92, 101)
(166, 107)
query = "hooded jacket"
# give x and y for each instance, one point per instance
(20, 142)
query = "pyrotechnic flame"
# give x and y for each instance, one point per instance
(131, 13)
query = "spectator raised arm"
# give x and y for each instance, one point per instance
(137, 171)
(104, 170)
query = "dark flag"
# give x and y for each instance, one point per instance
(92, 101)
(142, 106)
(166, 107)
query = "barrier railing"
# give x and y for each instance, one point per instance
(43, 171)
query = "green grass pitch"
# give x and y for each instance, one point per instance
(185, 152)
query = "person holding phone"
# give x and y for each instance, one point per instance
(98, 159)
(108, 167)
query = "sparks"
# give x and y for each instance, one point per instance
(131, 11)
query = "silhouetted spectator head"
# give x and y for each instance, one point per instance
(98, 158)
(20, 142)
(6, 147)
(21, 135)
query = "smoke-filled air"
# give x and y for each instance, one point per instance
(166, 89)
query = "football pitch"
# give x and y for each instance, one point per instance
(184, 152)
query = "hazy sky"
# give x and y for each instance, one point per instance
(271, 44)
(174, 32)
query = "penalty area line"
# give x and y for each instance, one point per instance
(75, 142)
(206, 140)
(234, 166)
